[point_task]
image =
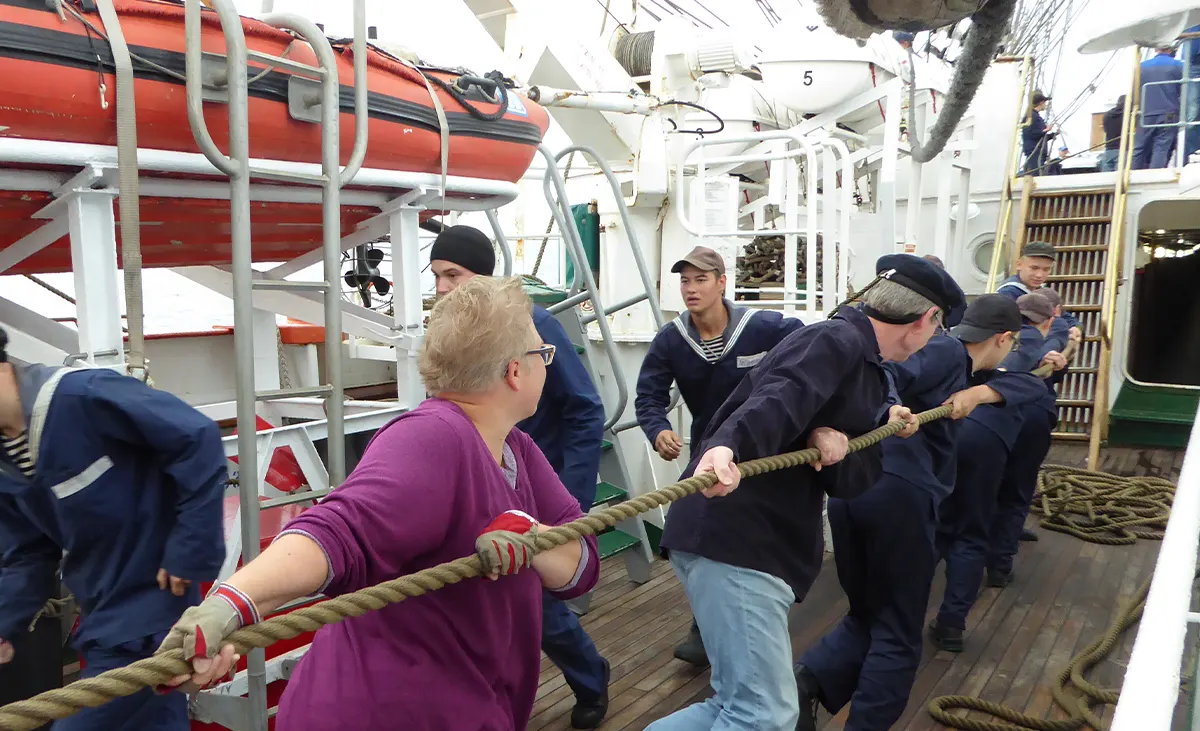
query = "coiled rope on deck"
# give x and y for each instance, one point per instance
(1098, 508)
(91, 692)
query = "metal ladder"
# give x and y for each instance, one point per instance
(251, 713)
(630, 537)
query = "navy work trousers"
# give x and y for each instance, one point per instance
(1017, 487)
(884, 550)
(965, 519)
(571, 649)
(142, 711)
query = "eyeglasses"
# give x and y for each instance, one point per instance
(546, 352)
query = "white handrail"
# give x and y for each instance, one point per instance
(487, 193)
(1151, 687)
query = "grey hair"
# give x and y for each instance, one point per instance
(894, 300)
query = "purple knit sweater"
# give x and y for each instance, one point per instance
(465, 657)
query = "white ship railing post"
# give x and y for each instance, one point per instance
(1151, 687)
(92, 229)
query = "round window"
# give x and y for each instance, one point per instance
(982, 249)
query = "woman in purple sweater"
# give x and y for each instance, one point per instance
(432, 481)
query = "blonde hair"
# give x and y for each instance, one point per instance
(474, 333)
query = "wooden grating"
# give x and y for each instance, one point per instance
(1078, 224)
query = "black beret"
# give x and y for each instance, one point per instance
(467, 247)
(927, 280)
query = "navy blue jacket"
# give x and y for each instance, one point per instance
(1005, 420)
(1161, 99)
(1013, 287)
(675, 356)
(569, 423)
(825, 374)
(128, 480)
(925, 381)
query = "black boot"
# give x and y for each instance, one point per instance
(692, 649)
(998, 579)
(1028, 535)
(808, 690)
(590, 713)
(949, 639)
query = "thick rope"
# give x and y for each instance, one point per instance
(153, 671)
(92, 692)
(1098, 508)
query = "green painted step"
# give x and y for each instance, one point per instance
(1157, 416)
(605, 445)
(580, 349)
(613, 542)
(1156, 403)
(607, 492)
(541, 294)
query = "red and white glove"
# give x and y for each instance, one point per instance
(503, 546)
(201, 630)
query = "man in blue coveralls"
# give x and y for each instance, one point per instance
(1154, 146)
(568, 427)
(985, 444)
(1015, 494)
(746, 554)
(706, 350)
(128, 482)
(883, 540)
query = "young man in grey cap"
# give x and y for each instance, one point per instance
(1034, 268)
(706, 351)
(746, 551)
(569, 428)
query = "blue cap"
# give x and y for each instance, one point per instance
(902, 36)
(927, 280)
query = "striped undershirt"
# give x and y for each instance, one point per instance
(713, 348)
(17, 450)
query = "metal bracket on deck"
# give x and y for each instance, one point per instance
(228, 711)
(304, 99)
(214, 78)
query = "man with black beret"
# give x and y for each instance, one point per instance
(569, 428)
(746, 552)
(883, 540)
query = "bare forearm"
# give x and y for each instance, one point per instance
(291, 567)
(558, 567)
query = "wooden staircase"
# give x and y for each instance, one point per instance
(1079, 225)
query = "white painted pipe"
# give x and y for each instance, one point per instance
(1151, 687)
(490, 193)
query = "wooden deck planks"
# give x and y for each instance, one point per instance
(1065, 594)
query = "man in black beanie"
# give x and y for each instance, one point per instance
(568, 427)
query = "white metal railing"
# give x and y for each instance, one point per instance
(1151, 687)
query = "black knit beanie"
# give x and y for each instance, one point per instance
(467, 247)
(3, 346)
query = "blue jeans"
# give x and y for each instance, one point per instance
(743, 617)
(571, 649)
(1154, 146)
(142, 711)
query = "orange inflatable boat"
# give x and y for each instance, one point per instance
(56, 72)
